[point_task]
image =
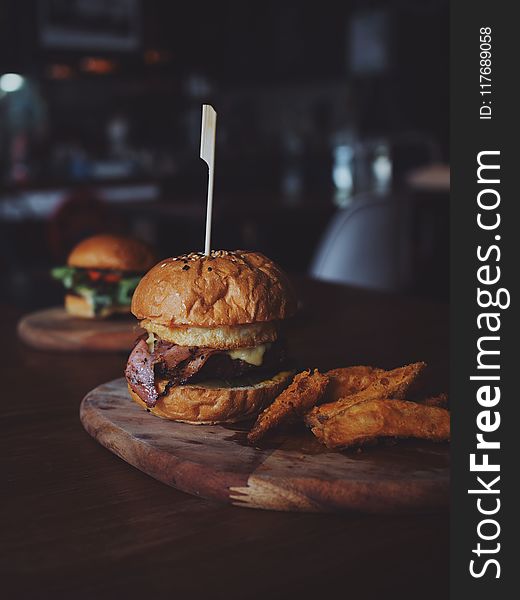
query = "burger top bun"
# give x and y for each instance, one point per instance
(116, 252)
(225, 288)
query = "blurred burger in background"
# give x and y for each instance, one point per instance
(102, 273)
(214, 350)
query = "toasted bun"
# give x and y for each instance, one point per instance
(208, 404)
(225, 288)
(225, 337)
(112, 252)
(80, 307)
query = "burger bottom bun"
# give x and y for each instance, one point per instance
(78, 306)
(210, 403)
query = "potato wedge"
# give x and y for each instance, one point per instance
(349, 380)
(389, 384)
(301, 395)
(373, 419)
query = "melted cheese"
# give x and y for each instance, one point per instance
(150, 340)
(253, 356)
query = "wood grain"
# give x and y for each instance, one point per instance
(78, 522)
(294, 474)
(55, 329)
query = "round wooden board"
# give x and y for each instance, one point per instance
(292, 473)
(55, 329)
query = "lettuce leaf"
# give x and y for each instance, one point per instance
(65, 275)
(125, 289)
(100, 292)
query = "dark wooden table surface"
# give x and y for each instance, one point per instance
(77, 522)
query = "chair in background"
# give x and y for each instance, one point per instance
(368, 245)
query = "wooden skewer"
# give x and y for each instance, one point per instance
(207, 153)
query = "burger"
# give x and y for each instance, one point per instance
(213, 351)
(102, 273)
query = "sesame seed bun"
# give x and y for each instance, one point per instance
(209, 403)
(223, 289)
(116, 252)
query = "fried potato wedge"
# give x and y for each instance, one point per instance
(373, 419)
(349, 380)
(301, 395)
(388, 384)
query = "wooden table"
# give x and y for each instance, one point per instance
(77, 522)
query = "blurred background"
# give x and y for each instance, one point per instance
(332, 135)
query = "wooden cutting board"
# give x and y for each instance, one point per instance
(292, 472)
(55, 329)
